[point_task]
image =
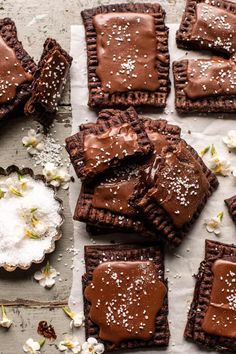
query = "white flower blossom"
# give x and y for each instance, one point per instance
(56, 176)
(70, 346)
(14, 186)
(91, 346)
(5, 322)
(46, 276)
(230, 139)
(213, 224)
(220, 166)
(77, 318)
(40, 229)
(33, 142)
(35, 227)
(33, 347)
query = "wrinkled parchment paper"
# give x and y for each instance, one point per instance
(183, 262)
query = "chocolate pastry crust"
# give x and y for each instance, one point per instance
(219, 103)
(158, 218)
(127, 119)
(97, 97)
(49, 79)
(186, 40)
(96, 254)
(231, 205)
(8, 33)
(204, 280)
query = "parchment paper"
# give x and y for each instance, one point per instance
(184, 262)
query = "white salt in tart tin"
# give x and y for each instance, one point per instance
(30, 218)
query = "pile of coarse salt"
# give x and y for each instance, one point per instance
(15, 248)
(52, 152)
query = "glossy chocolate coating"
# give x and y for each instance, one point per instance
(210, 77)
(12, 73)
(114, 196)
(220, 318)
(52, 80)
(181, 184)
(117, 142)
(150, 169)
(216, 26)
(125, 299)
(126, 51)
(114, 193)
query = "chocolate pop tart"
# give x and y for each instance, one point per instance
(105, 203)
(125, 297)
(208, 24)
(17, 69)
(128, 59)
(212, 316)
(182, 185)
(49, 79)
(105, 145)
(205, 85)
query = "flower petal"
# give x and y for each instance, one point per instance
(92, 341)
(38, 275)
(99, 348)
(49, 283)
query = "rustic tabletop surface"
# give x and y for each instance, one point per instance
(28, 303)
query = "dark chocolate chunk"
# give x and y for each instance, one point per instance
(46, 330)
(123, 267)
(128, 59)
(49, 79)
(212, 318)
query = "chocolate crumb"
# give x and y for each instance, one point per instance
(45, 330)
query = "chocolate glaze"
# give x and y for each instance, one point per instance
(114, 196)
(150, 169)
(216, 26)
(220, 318)
(210, 77)
(127, 51)
(125, 299)
(52, 80)
(116, 143)
(114, 193)
(180, 184)
(12, 73)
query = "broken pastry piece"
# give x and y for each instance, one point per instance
(108, 144)
(17, 69)
(49, 79)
